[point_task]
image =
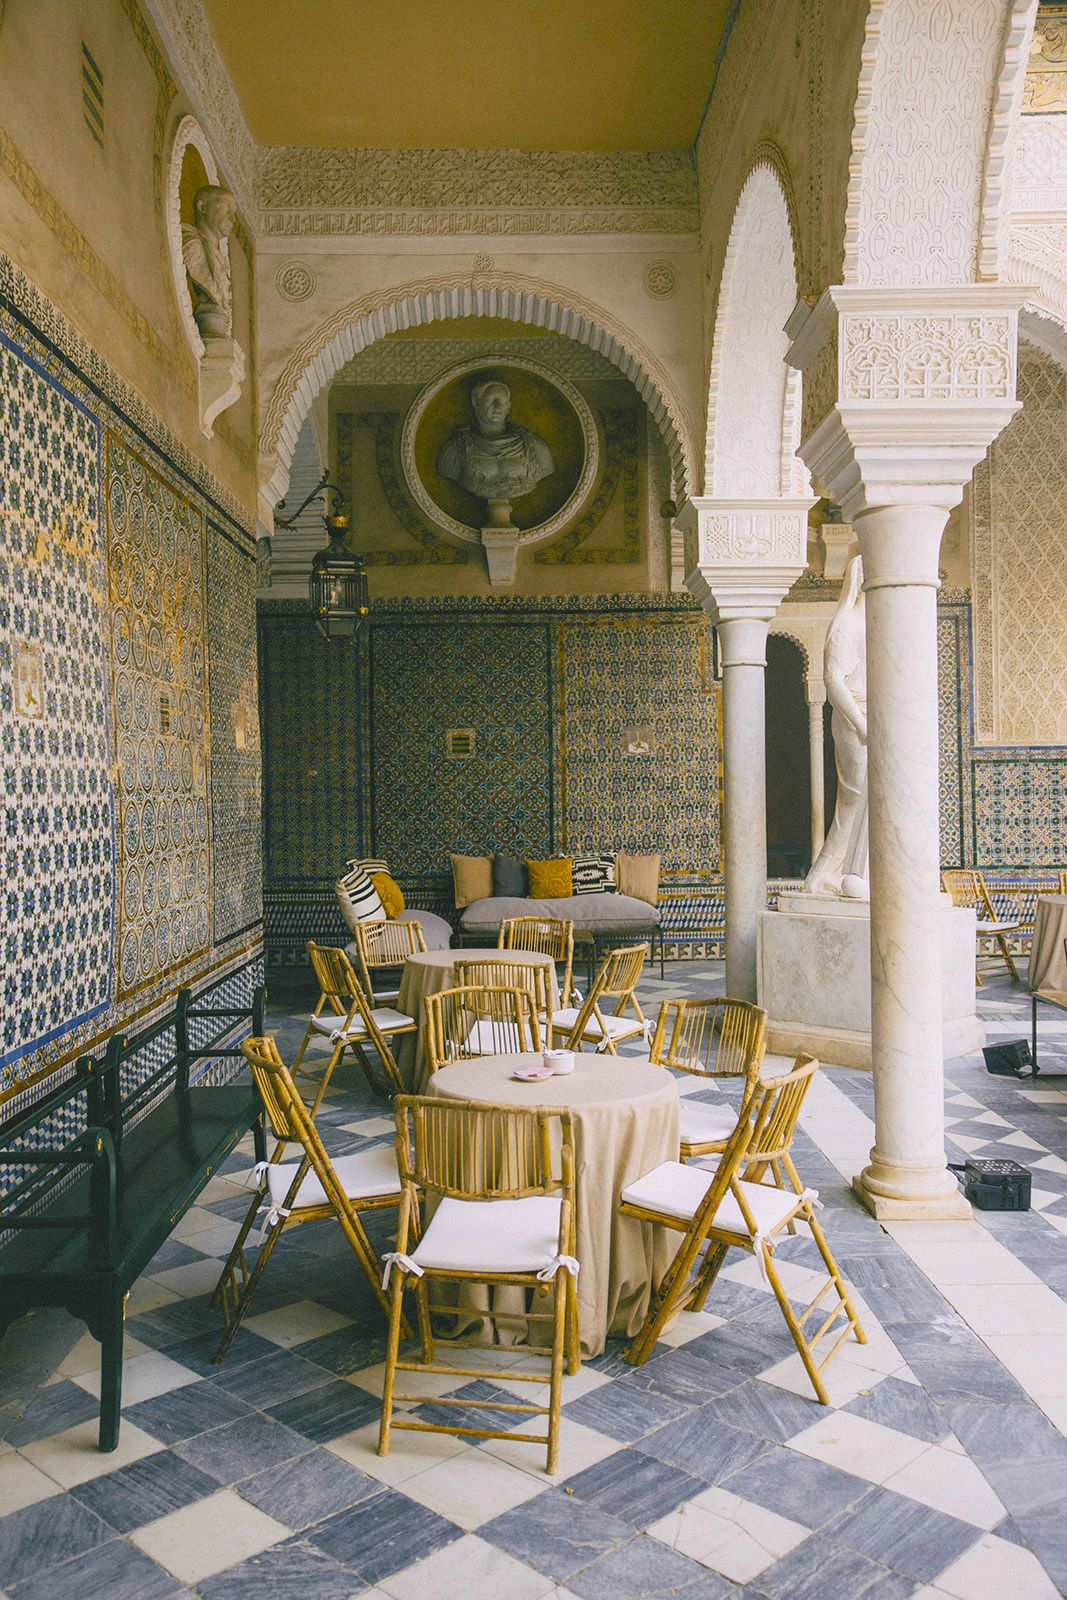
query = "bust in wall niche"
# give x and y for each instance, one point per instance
(205, 251)
(493, 460)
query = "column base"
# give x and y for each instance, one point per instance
(952, 1206)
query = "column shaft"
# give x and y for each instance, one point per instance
(900, 547)
(744, 667)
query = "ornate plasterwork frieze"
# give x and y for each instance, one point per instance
(945, 356)
(1046, 70)
(744, 556)
(746, 534)
(293, 178)
(471, 220)
(419, 360)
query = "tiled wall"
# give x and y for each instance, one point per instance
(127, 705)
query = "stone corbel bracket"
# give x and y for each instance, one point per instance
(904, 388)
(222, 370)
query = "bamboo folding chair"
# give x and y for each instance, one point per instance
(485, 973)
(744, 1204)
(709, 1039)
(474, 1020)
(969, 889)
(343, 1017)
(616, 980)
(308, 1190)
(504, 1181)
(546, 936)
(384, 947)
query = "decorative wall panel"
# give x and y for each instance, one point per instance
(113, 772)
(493, 677)
(953, 688)
(156, 569)
(236, 800)
(54, 712)
(1020, 810)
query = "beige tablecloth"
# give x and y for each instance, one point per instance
(625, 1123)
(1048, 966)
(433, 970)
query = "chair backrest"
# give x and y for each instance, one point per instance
(469, 1150)
(547, 936)
(470, 1021)
(617, 977)
(775, 1108)
(968, 888)
(336, 976)
(291, 1120)
(485, 973)
(385, 944)
(711, 1038)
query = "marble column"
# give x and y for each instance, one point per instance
(922, 381)
(742, 558)
(816, 697)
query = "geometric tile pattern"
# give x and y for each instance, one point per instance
(1020, 810)
(952, 664)
(494, 679)
(55, 713)
(156, 573)
(236, 815)
(708, 1473)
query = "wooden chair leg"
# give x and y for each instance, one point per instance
(555, 1388)
(234, 1259)
(392, 1350)
(1009, 961)
(714, 1257)
(667, 1299)
(835, 1273)
(797, 1332)
(244, 1299)
(111, 1341)
(574, 1331)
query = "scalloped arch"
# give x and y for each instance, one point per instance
(497, 294)
(753, 396)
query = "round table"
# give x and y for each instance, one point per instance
(1048, 964)
(625, 1123)
(429, 972)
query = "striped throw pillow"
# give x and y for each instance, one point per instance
(358, 898)
(370, 864)
(594, 874)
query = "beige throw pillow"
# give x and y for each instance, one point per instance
(637, 876)
(472, 878)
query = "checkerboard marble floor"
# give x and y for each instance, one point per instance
(939, 1470)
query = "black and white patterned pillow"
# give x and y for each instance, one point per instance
(359, 899)
(368, 863)
(594, 874)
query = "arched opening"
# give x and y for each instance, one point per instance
(788, 764)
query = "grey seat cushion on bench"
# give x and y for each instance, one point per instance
(595, 913)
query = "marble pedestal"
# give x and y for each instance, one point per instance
(814, 979)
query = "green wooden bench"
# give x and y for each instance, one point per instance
(95, 1175)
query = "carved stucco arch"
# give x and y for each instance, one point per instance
(494, 294)
(753, 396)
(937, 100)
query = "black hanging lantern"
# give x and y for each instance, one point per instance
(337, 588)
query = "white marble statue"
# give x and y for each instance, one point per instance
(841, 865)
(493, 460)
(206, 253)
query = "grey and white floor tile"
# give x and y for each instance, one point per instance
(939, 1470)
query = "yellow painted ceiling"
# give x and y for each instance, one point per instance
(424, 74)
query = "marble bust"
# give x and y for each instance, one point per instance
(205, 251)
(841, 865)
(492, 460)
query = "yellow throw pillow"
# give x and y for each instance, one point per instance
(551, 880)
(637, 876)
(389, 893)
(472, 878)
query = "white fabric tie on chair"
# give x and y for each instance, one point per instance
(568, 1263)
(397, 1258)
(275, 1215)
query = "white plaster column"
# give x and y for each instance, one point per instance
(925, 380)
(742, 558)
(815, 691)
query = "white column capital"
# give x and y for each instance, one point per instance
(743, 556)
(905, 389)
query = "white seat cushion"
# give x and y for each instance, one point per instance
(491, 1235)
(501, 1039)
(364, 1176)
(677, 1191)
(614, 1027)
(385, 1018)
(995, 927)
(699, 1123)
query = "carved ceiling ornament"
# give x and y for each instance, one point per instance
(1046, 69)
